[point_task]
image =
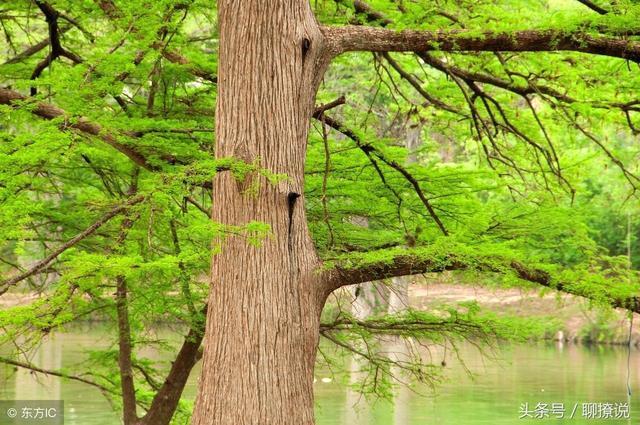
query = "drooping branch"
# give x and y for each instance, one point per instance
(522, 90)
(108, 392)
(364, 38)
(57, 373)
(349, 272)
(380, 364)
(411, 322)
(416, 85)
(471, 77)
(530, 88)
(50, 112)
(368, 149)
(5, 285)
(631, 177)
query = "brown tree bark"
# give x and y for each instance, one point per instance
(125, 350)
(265, 301)
(166, 401)
(363, 38)
(264, 305)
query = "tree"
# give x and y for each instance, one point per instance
(265, 303)
(269, 280)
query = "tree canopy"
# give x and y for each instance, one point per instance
(494, 139)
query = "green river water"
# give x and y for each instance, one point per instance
(494, 392)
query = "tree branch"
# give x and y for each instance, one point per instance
(51, 16)
(32, 50)
(125, 345)
(112, 11)
(124, 354)
(50, 112)
(591, 5)
(406, 263)
(364, 38)
(166, 399)
(368, 149)
(29, 366)
(368, 12)
(416, 85)
(34, 368)
(5, 285)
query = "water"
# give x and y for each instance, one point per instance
(493, 394)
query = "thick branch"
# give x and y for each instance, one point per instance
(591, 5)
(51, 16)
(166, 399)
(407, 263)
(363, 38)
(50, 112)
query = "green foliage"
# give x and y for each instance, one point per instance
(527, 157)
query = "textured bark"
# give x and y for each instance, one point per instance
(166, 401)
(362, 38)
(124, 355)
(264, 305)
(406, 264)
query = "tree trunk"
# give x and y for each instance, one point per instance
(125, 346)
(124, 354)
(166, 400)
(265, 301)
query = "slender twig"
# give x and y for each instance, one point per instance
(5, 285)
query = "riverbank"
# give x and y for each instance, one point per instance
(578, 321)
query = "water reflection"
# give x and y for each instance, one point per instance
(492, 394)
(37, 386)
(524, 373)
